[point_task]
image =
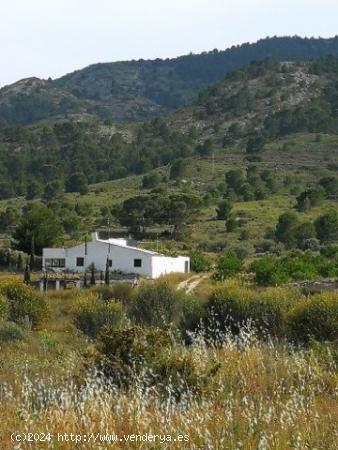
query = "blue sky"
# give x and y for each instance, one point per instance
(50, 38)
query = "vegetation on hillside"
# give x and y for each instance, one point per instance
(138, 90)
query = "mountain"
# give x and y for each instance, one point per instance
(251, 99)
(138, 90)
(252, 106)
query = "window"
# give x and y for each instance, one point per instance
(80, 262)
(55, 262)
(110, 262)
(137, 262)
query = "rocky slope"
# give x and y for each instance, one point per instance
(138, 90)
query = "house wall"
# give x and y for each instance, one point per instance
(122, 258)
(153, 265)
(162, 265)
(97, 252)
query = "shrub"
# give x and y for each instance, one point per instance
(181, 372)
(212, 246)
(268, 309)
(193, 314)
(242, 251)
(130, 348)
(330, 251)
(223, 209)
(199, 262)
(271, 271)
(155, 305)
(286, 229)
(311, 244)
(119, 291)
(315, 317)
(233, 306)
(269, 246)
(227, 265)
(10, 331)
(268, 272)
(309, 198)
(231, 224)
(92, 314)
(304, 233)
(327, 227)
(3, 308)
(24, 303)
(300, 267)
(226, 305)
(47, 339)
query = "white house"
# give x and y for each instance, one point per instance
(121, 257)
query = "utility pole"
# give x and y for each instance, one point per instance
(32, 255)
(85, 252)
(108, 223)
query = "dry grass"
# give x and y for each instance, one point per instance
(263, 396)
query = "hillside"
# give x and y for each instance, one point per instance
(260, 143)
(247, 100)
(250, 108)
(138, 90)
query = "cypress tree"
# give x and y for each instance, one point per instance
(107, 277)
(27, 275)
(92, 274)
(85, 283)
(32, 259)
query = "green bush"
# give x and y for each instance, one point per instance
(193, 314)
(24, 303)
(4, 310)
(10, 331)
(316, 318)
(223, 209)
(227, 305)
(232, 305)
(130, 348)
(330, 251)
(327, 227)
(227, 265)
(199, 262)
(181, 372)
(231, 224)
(156, 305)
(92, 314)
(268, 309)
(119, 291)
(273, 271)
(268, 272)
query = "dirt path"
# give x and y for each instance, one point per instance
(191, 283)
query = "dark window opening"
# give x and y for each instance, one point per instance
(55, 262)
(80, 262)
(137, 262)
(110, 262)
